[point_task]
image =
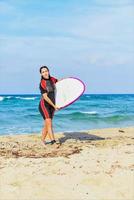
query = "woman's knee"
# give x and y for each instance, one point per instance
(48, 120)
(49, 124)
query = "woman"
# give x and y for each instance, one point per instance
(47, 105)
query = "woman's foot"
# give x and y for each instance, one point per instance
(56, 142)
(44, 142)
(53, 141)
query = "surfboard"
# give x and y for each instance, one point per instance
(67, 91)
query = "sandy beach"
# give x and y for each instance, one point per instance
(94, 164)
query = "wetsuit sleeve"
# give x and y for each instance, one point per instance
(42, 89)
(54, 79)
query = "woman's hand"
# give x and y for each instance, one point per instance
(56, 107)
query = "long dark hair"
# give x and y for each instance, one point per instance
(42, 67)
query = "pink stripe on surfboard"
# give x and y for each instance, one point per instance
(84, 87)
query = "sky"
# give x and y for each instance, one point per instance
(92, 40)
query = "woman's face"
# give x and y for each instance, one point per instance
(45, 73)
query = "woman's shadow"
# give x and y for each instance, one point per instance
(81, 136)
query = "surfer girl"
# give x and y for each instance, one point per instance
(47, 105)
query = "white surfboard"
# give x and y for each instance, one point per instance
(67, 91)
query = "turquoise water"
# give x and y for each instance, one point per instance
(19, 113)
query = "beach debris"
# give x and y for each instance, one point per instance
(122, 131)
(34, 149)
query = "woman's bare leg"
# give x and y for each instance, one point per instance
(49, 128)
(44, 131)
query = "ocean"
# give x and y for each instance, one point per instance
(19, 113)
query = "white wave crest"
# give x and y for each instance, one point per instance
(26, 98)
(9, 97)
(90, 112)
(1, 98)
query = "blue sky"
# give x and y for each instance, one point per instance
(89, 39)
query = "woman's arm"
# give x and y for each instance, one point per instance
(49, 101)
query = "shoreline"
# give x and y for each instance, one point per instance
(90, 164)
(72, 131)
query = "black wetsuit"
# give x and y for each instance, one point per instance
(47, 86)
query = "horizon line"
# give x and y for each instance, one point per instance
(83, 94)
